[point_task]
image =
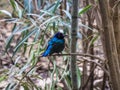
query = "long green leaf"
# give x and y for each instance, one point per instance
(12, 2)
(16, 8)
(85, 9)
(6, 12)
(94, 39)
(68, 82)
(10, 38)
(56, 6)
(2, 78)
(11, 86)
(37, 34)
(26, 28)
(49, 20)
(28, 6)
(26, 86)
(85, 26)
(67, 13)
(23, 40)
(23, 68)
(25, 45)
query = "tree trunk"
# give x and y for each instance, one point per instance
(91, 47)
(74, 28)
(110, 44)
(116, 24)
(84, 46)
(118, 35)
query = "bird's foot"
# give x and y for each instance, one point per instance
(59, 54)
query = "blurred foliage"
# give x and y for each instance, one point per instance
(35, 21)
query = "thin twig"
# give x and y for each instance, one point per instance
(107, 73)
(20, 3)
(88, 77)
(97, 64)
(27, 73)
(77, 54)
(12, 62)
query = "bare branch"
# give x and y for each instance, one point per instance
(77, 54)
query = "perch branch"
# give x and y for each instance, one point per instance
(77, 54)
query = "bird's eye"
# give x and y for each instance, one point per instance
(60, 35)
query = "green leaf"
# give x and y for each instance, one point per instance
(54, 25)
(23, 40)
(25, 49)
(17, 59)
(25, 86)
(85, 26)
(33, 22)
(27, 27)
(6, 12)
(46, 12)
(56, 6)
(68, 80)
(16, 8)
(15, 31)
(85, 9)
(57, 74)
(8, 41)
(23, 68)
(37, 34)
(10, 38)
(39, 3)
(94, 39)
(67, 13)
(25, 45)
(32, 58)
(2, 78)
(59, 88)
(11, 86)
(28, 6)
(50, 20)
(12, 2)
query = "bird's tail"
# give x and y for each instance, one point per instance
(47, 52)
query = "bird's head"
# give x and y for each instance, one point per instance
(59, 35)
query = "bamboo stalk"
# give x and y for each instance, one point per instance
(74, 27)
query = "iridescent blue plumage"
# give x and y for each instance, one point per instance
(55, 45)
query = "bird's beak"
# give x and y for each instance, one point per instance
(65, 35)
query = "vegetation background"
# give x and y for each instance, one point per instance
(90, 60)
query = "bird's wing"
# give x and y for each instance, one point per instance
(52, 43)
(55, 40)
(47, 51)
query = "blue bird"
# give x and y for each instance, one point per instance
(55, 45)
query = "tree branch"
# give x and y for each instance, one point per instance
(77, 54)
